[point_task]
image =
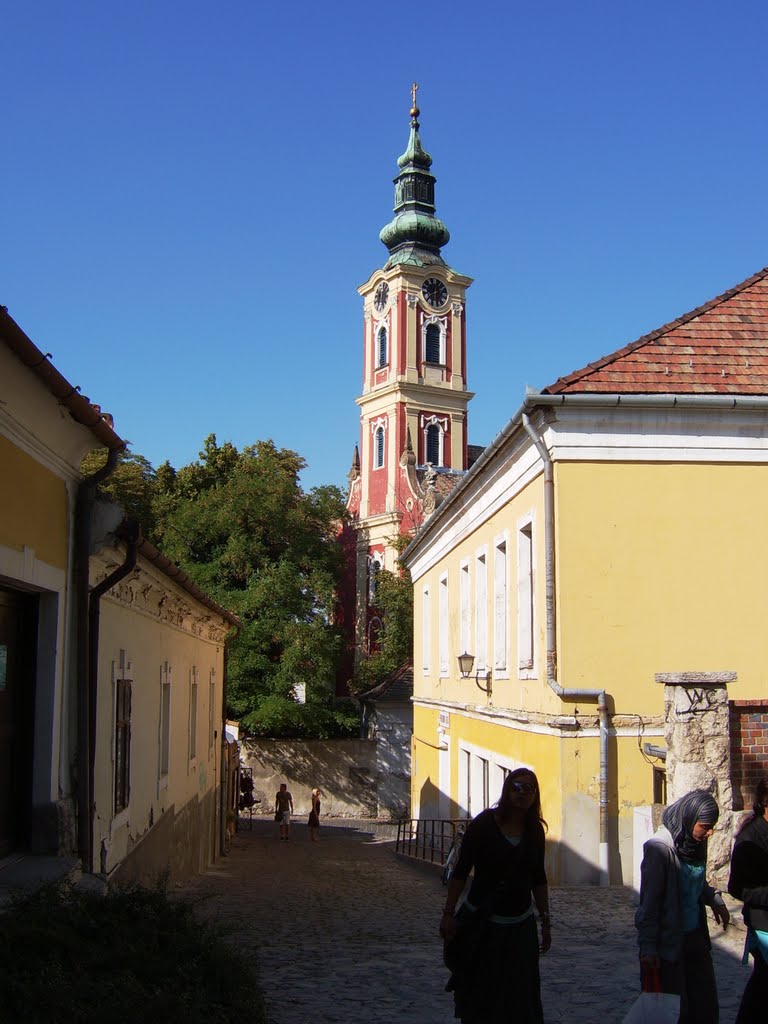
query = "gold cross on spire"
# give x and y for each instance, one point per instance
(414, 108)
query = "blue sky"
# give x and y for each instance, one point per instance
(190, 193)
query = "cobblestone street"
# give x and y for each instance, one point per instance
(345, 931)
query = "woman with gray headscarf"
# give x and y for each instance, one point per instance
(671, 921)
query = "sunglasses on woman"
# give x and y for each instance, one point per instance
(523, 787)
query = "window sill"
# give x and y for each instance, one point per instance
(121, 818)
(527, 673)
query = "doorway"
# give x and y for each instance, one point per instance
(17, 688)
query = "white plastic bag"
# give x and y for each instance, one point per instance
(654, 1008)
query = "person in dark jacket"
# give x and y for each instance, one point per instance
(496, 978)
(671, 921)
(749, 882)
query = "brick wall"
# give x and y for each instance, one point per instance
(749, 749)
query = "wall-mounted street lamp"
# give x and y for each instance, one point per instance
(466, 661)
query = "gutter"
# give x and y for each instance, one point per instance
(86, 493)
(130, 531)
(569, 693)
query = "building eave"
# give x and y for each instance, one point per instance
(602, 401)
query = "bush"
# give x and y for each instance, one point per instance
(69, 956)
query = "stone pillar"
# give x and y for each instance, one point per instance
(697, 731)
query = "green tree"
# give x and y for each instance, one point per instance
(242, 527)
(132, 484)
(394, 603)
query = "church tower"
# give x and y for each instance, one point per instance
(413, 406)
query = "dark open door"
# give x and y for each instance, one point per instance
(17, 616)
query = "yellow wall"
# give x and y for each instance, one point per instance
(34, 506)
(150, 644)
(659, 569)
(509, 689)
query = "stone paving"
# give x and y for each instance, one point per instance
(344, 931)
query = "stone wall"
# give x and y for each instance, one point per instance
(749, 749)
(697, 731)
(345, 770)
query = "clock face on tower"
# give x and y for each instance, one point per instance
(434, 292)
(381, 296)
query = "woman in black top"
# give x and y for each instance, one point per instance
(749, 882)
(497, 981)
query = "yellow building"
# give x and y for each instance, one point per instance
(111, 660)
(613, 531)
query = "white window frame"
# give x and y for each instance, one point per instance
(475, 780)
(379, 363)
(122, 672)
(481, 609)
(375, 560)
(526, 598)
(165, 732)
(442, 629)
(465, 606)
(211, 711)
(377, 425)
(426, 631)
(501, 606)
(192, 721)
(442, 323)
(441, 422)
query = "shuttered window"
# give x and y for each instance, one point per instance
(432, 344)
(378, 455)
(433, 444)
(382, 354)
(122, 744)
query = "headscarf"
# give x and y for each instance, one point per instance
(682, 815)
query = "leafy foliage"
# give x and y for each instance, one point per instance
(394, 603)
(239, 523)
(69, 956)
(132, 484)
(242, 527)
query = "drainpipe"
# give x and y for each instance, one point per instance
(569, 693)
(130, 531)
(86, 493)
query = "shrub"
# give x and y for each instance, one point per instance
(69, 956)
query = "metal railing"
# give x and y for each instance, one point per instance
(427, 839)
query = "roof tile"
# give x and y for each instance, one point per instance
(718, 348)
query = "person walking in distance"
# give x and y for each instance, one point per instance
(314, 814)
(749, 882)
(492, 945)
(671, 922)
(283, 811)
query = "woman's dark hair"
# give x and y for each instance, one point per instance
(761, 801)
(761, 797)
(534, 819)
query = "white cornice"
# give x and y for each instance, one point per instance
(33, 446)
(661, 429)
(509, 718)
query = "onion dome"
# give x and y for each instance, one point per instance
(415, 234)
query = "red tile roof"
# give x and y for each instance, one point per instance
(719, 348)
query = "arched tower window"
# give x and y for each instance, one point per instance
(432, 344)
(373, 580)
(381, 348)
(378, 448)
(374, 635)
(433, 438)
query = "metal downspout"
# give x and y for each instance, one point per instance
(566, 693)
(86, 493)
(130, 531)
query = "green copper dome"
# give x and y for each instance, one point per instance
(415, 234)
